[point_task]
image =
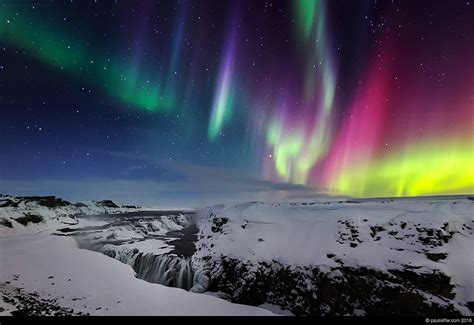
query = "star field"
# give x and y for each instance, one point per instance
(361, 98)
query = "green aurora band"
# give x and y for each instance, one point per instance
(312, 150)
(131, 84)
(295, 154)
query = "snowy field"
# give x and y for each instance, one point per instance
(407, 242)
(90, 282)
(35, 261)
(380, 235)
(328, 257)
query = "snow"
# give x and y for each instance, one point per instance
(93, 207)
(31, 205)
(382, 234)
(313, 233)
(88, 281)
(460, 264)
(5, 307)
(276, 309)
(102, 285)
(134, 230)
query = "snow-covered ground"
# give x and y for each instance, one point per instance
(54, 212)
(351, 257)
(53, 275)
(387, 236)
(90, 282)
(306, 234)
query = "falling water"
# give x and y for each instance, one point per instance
(173, 269)
(168, 270)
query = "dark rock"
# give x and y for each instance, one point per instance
(8, 203)
(218, 223)
(47, 201)
(311, 291)
(107, 204)
(436, 256)
(31, 304)
(6, 223)
(435, 283)
(18, 312)
(375, 229)
(470, 305)
(29, 218)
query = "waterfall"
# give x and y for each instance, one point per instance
(185, 275)
(168, 270)
(173, 269)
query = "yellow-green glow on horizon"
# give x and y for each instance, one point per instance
(422, 169)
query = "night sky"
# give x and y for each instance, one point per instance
(199, 102)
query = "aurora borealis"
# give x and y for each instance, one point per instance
(363, 98)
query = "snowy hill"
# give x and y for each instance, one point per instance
(346, 257)
(105, 207)
(34, 213)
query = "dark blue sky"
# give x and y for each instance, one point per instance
(69, 129)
